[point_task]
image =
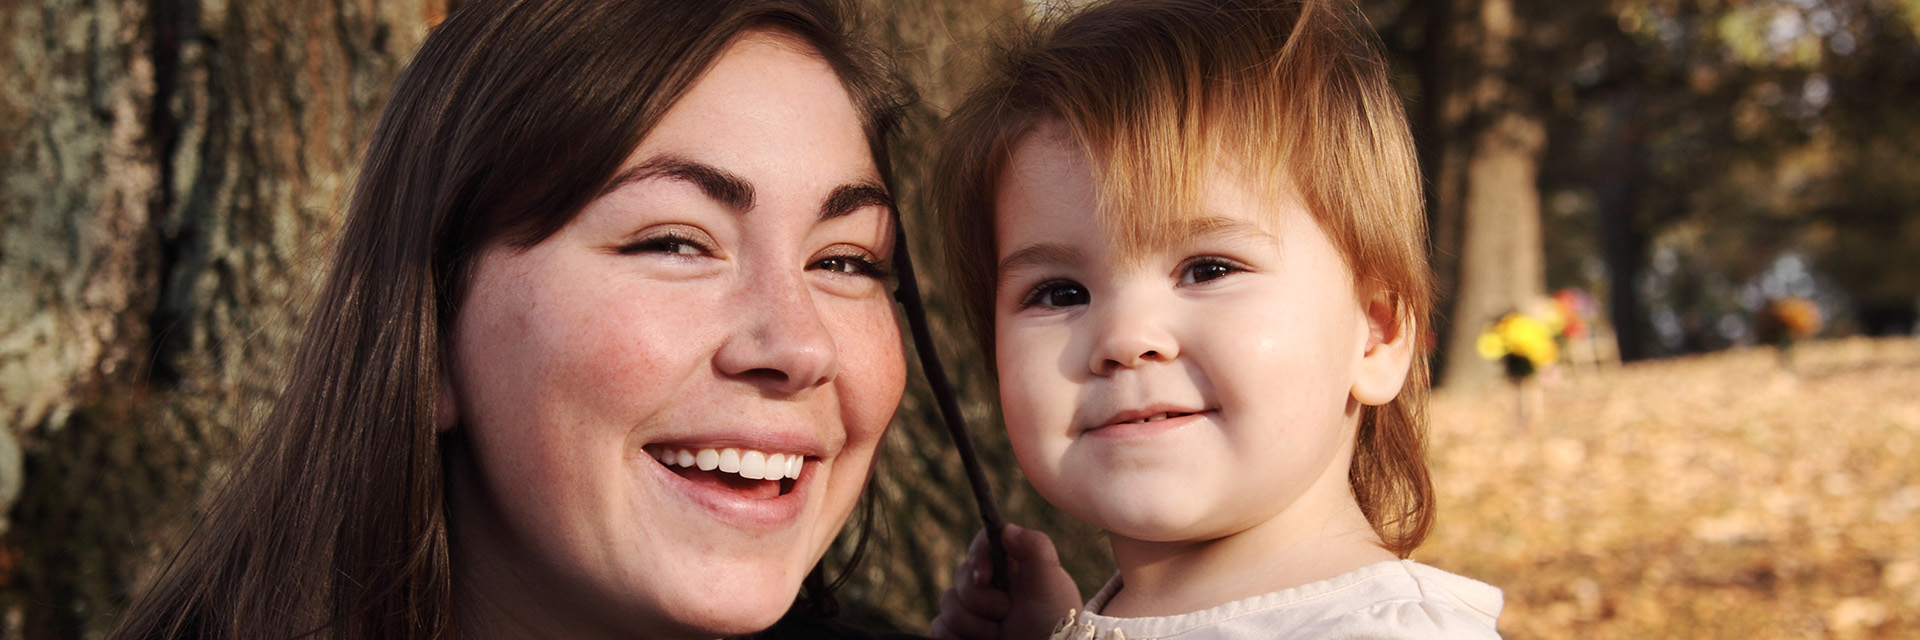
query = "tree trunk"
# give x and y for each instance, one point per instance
(174, 171)
(1488, 137)
(1623, 234)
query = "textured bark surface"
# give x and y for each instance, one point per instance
(173, 173)
(1486, 140)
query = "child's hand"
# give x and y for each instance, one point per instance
(1041, 592)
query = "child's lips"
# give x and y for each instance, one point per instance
(1149, 420)
(1150, 414)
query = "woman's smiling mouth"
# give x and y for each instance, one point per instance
(748, 472)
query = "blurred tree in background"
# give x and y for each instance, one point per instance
(1701, 157)
(171, 175)
(172, 171)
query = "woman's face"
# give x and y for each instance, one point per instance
(722, 305)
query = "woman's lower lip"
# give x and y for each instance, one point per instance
(1143, 429)
(733, 507)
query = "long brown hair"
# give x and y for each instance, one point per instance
(1295, 94)
(511, 117)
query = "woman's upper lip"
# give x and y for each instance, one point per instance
(770, 442)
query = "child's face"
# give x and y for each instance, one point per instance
(1248, 332)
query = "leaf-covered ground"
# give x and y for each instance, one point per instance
(1722, 496)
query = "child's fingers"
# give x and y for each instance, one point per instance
(983, 600)
(1030, 548)
(1037, 567)
(979, 566)
(956, 622)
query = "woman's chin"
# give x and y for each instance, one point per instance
(733, 612)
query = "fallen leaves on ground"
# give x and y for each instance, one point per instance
(1719, 496)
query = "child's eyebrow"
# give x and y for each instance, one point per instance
(1039, 254)
(1224, 227)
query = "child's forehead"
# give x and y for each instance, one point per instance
(1146, 202)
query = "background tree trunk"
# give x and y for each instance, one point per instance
(1486, 138)
(174, 171)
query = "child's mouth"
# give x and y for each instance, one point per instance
(750, 473)
(1156, 417)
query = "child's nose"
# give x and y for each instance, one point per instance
(1128, 338)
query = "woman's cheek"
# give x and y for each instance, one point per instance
(873, 360)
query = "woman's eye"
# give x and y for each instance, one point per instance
(850, 265)
(668, 244)
(1057, 293)
(1206, 269)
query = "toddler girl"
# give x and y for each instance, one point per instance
(1192, 232)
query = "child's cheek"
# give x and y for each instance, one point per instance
(1037, 404)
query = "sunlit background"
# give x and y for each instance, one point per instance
(1678, 244)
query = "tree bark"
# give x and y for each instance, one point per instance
(174, 171)
(1485, 208)
(1623, 234)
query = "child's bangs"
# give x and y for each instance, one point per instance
(1153, 171)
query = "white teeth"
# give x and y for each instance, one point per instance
(753, 465)
(747, 463)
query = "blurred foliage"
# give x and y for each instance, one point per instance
(1705, 156)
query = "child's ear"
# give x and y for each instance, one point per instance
(446, 410)
(1387, 353)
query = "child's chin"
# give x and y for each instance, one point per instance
(1148, 522)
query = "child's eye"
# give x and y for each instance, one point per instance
(1209, 268)
(671, 243)
(1057, 293)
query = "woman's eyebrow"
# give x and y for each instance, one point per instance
(848, 198)
(731, 190)
(737, 194)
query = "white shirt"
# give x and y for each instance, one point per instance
(1391, 599)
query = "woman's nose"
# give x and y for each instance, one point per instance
(1130, 332)
(780, 343)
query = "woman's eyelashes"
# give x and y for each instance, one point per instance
(853, 264)
(678, 244)
(673, 243)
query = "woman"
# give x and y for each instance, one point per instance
(606, 349)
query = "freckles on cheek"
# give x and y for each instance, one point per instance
(872, 366)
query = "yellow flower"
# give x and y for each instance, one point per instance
(1530, 338)
(1520, 335)
(1490, 346)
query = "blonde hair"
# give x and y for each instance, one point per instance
(1293, 95)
